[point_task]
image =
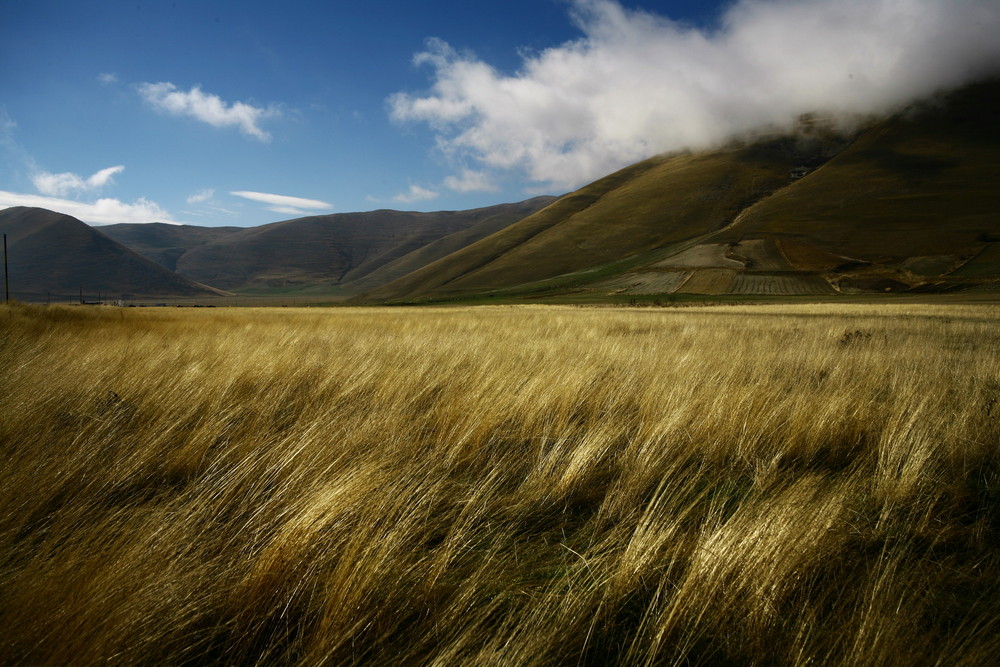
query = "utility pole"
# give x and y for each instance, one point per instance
(6, 278)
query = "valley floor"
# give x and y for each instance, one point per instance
(758, 484)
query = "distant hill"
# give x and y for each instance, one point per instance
(164, 243)
(327, 252)
(908, 203)
(55, 255)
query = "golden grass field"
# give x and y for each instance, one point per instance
(512, 485)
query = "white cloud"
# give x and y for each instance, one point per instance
(283, 203)
(59, 185)
(104, 176)
(415, 194)
(208, 108)
(7, 127)
(103, 211)
(201, 196)
(470, 180)
(637, 84)
(107, 78)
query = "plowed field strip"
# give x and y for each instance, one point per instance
(748, 283)
(660, 282)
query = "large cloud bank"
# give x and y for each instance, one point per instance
(638, 84)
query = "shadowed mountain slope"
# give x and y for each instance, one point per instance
(922, 183)
(164, 243)
(446, 245)
(908, 203)
(55, 254)
(334, 251)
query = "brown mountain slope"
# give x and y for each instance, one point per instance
(910, 203)
(52, 254)
(163, 243)
(333, 250)
(445, 245)
(650, 205)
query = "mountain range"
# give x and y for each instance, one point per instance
(343, 252)
(906, 203)
(55, 255)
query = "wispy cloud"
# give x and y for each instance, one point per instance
(103, 211)
(7, 127)
(636, 84)
(281, 200)
(470, 180)
(107, 78)
(415, 194)
(60, 185)
(201, 196)
(284, 203)
(208, 108)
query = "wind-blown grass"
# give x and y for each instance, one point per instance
(758, 485)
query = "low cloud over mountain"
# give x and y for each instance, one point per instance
(636, 84)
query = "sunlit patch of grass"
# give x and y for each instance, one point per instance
(769, 484)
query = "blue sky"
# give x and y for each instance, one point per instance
(244, 113)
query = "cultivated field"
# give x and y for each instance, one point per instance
(709, 281)
(754, 283)
(761, 255)
(523, 486)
